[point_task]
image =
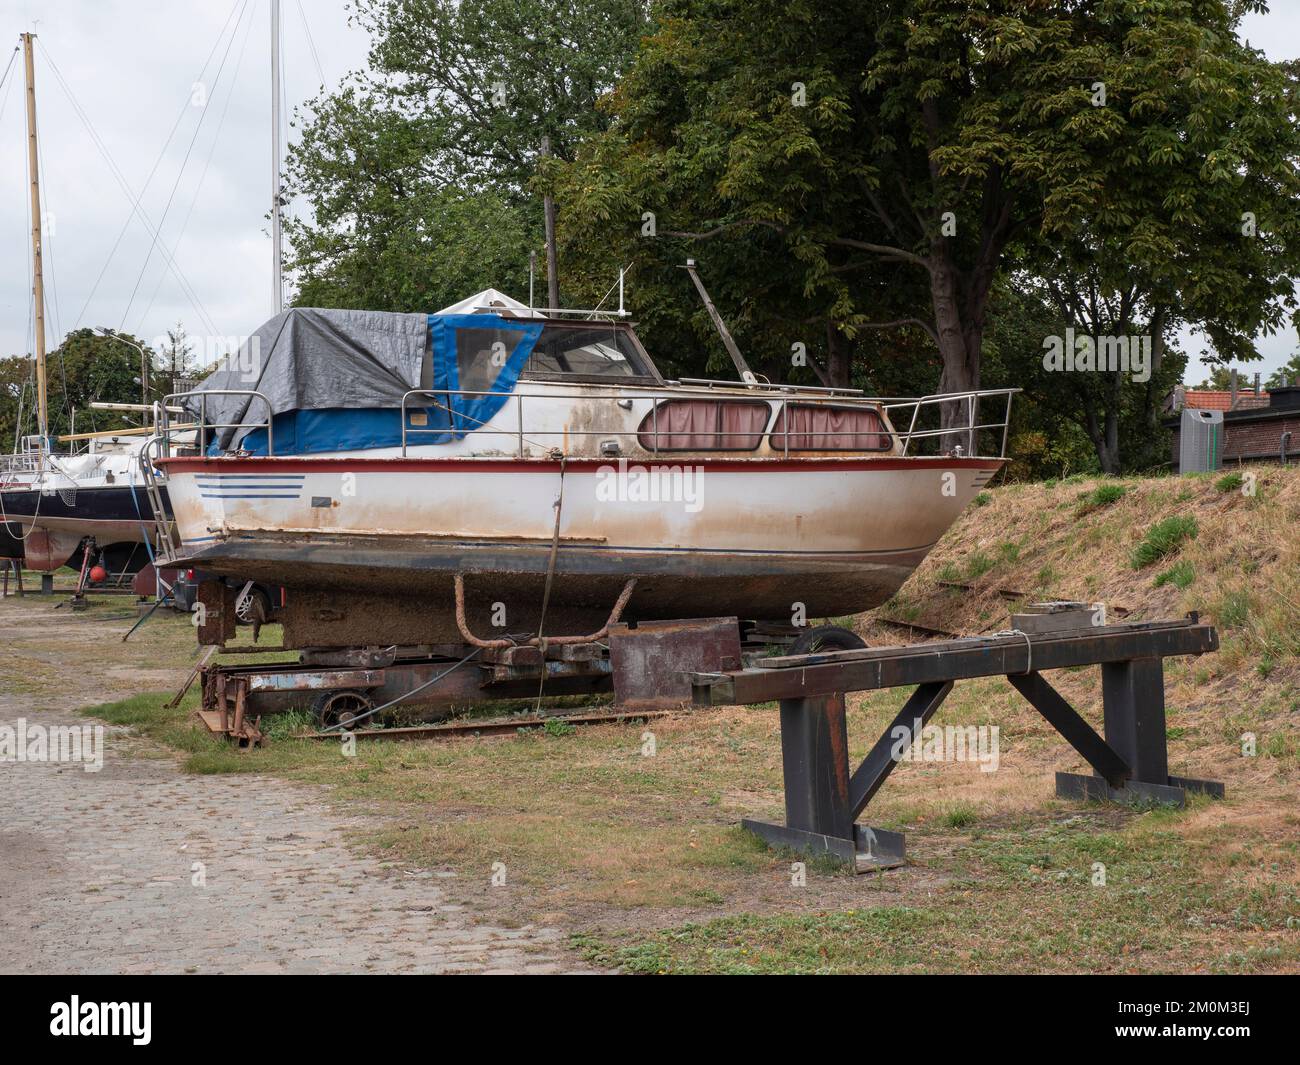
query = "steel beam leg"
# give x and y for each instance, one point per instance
(1133, 696)
(819, 811)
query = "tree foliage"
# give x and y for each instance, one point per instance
(886, 165)
(421, 172)
(909, 196)
(86, 368)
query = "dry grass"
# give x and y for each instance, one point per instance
(642, 854)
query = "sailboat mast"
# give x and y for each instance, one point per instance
(38, 280)
(277, 271)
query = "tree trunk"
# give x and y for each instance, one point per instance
(959, 347)
(839, 358)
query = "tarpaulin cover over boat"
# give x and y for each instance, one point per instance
(335, 379)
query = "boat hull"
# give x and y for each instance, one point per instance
(51, 526)
(767, 539)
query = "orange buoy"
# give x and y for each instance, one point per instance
(98, 574)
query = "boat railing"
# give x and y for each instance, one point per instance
(970, 429)
(203, 428)
(23, 462)
(960, 437)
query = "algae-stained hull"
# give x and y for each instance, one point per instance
(761, 538)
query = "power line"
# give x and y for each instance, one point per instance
(311, 43)
(125, 186)
(185, 108)
(212, 148)
(181, 172)
(5, 77)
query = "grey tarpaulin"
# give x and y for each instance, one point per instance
(310, 359)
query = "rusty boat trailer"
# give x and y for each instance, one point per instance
(647, 666)
(825, 794)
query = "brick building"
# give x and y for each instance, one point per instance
(1261, 427)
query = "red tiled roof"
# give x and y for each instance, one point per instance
(1211, 400)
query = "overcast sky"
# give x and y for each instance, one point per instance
(132, 66)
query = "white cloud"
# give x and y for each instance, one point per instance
(132, 66)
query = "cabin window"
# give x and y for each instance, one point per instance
(704, 425)
(821, 428)
(597, 350)
(481, 355)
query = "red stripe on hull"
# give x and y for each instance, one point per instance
(187, 464)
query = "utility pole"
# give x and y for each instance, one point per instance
(552, 265)
(277, 276)
(38, 280)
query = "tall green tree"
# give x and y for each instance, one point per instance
(85, 368)
(421, 174)
(1286, 374)
(887, 164)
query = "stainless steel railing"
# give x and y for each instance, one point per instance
(202, 428)
(968, 429)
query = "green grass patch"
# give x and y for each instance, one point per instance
(1162, 539)
(960, 816)
(1233, 608)
(1101, 496)
(1180, 575)
(1230, 482)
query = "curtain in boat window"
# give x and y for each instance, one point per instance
(704, 425)
(821, 428)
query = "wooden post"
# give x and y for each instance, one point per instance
(1133, 696)
(552, 259)
(38, 279)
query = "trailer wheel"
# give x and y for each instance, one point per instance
(255, 606)
(341, 708)
(826, 638)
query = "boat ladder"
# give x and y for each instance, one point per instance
(167, 546)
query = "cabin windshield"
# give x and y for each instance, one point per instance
(586, 349)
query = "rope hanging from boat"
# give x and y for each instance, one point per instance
(550, 575)
(558, 505)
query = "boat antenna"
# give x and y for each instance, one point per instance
(622, 311)
(742, 367)
(38, 280)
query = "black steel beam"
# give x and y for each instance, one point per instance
(815, 762)
(1081, 736)
(894, 667)
(1133, 695)
(916, 712)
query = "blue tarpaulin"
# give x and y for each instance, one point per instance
(475, 353)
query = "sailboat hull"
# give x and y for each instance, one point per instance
(51, 526)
